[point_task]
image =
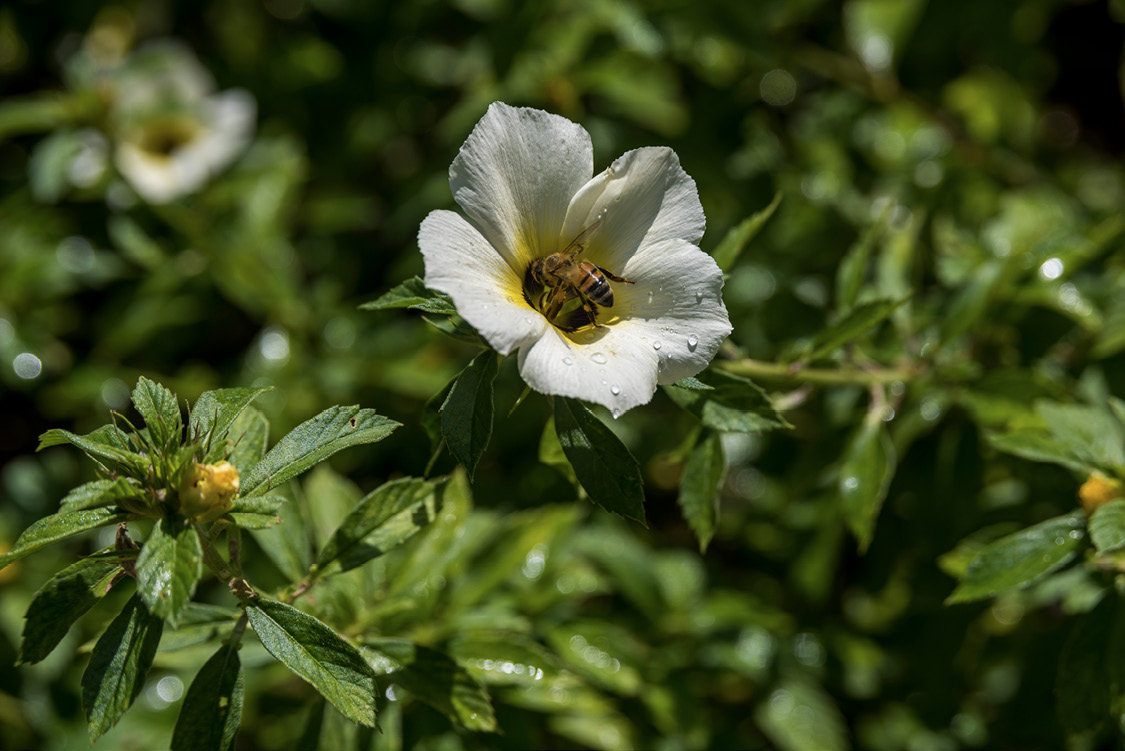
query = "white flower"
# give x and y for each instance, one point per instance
(525, 179)
(173, 133)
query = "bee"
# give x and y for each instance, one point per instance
(564, 278)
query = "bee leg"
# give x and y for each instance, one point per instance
(555, 299)
(613, 277)
(592, 311)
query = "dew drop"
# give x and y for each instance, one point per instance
(616, 413)
(604, 382)
(650, 296)
(509, 298)
(698, 297)
(615, 390)
(568, 361)
(599, 358)
(692, 342)
(656, 345)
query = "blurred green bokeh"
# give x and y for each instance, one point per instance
(965, 154)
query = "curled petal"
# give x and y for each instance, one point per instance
(515, 176)
(643, 199)
(487, 293)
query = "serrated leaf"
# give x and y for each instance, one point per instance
(258, 512)
(383, 519)
(604, 467)
(732, 404)
(157, 405)
(62, 601)
(413, 294)
(317, 653)
(865, 475)
(1020, 558)
(249, 433)
(1091, 433)
(56, 527)
(1107, 526)
(435, 679)
(466, 415)
(312, 442)
(693, 384)
(107, 442)
(169, 567)
(212, 708)
(100, 493)
(215, 411)
(118, 665)
(739, 236)
(699, 488)
(857, 322)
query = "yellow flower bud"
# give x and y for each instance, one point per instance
(1099, 490)
(207, 491)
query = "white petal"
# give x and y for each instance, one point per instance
(675, 307)
(153, 177)
(515, 176)
(609, 366)
(644, 198)
(487, 293)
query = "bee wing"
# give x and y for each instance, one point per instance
(578, 244)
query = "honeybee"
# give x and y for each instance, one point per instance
(564, 278)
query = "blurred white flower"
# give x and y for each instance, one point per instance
(172, 132)
(524, 178)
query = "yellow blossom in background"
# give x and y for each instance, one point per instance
(1097, 491)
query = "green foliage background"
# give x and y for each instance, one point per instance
(949, 175)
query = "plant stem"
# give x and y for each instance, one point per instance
(847, 375)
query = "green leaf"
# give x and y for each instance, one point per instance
(1040, 446)
(693, 384)
(739, 236)
(413, 294)
(212, 707)
(1091, 433)
(383, 519)
(699, 488)
(249, 433)
(258, 512)
(466, 415)
(733, 404)
(798, 715)
(431, 415)
(551, 452)
(57, 527)
(287, 544)
(49, 166)
(314, 441)
(1107, 526)
(435, 679)
(160, 411)
(62, 601)
(118, 665)
(317, 653)
(853, 268)
(1082, 684)
(865, 476)
(216, 411)
(1020, 558)
(169, 567)
(101, 493)
(108, 442)
(605, 468)
(858, 321)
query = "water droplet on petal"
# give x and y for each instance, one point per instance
(616, 413)
(615, 390)
(656, 345)
(567, 361)
(599, 358)
(698, 297)
(650, 296)
(692, 342)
